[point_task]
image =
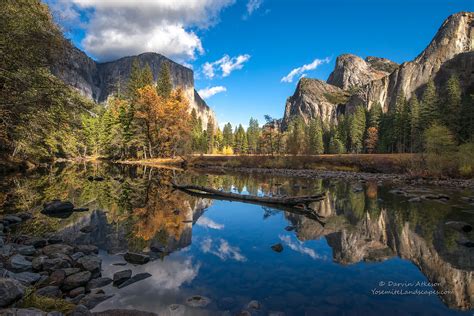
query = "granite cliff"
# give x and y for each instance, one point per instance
(379, 81)
(98, 81)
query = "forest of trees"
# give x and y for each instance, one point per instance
(146, 121)
(408, 128)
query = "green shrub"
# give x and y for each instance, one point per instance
(440, 147)
(466, 160)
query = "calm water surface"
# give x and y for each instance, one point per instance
(369, 244)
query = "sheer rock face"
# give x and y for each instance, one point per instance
(379, 81)
(456, 36)
(314, 98)
(352, 71)
(98, 81)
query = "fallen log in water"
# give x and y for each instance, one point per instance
(295, 204)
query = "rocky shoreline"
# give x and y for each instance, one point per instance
(346, 175)
(47, 276)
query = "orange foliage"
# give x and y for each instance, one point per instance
(167, 119)
(372, 139)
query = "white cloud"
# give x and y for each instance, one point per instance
(224, 251)
(301, 70)
(226, 65)
(298, 247)
(210, 91)
(253, 5)
(207, 222)
(117, 28)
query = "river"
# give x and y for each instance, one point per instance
(375, 250)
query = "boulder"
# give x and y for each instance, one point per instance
(77, 291)
(57, 207)
(122, 276)
(136, 258)
(26, 277)
(92, 300)
(18, 263)
(87, 249)
(89, 263)
(49, 291)
(58, 248)
(98, 282)
(76, 280)
(277, 247)
(135, 278)
(10, 291)
(80, 310)
(57, 277)
(198, 301)
(26, 250)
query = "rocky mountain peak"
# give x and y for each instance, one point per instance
(98, 81)
(352, 71)
(314, 98)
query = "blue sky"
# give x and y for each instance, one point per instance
(263, 39)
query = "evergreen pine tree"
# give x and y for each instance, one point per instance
(429, 106)
(451, 107)
(416, 135)
(228, 135)
(357, 124)
(315, 137)
(374, 116)
(402, 123)
(164, 85)
(467, 119)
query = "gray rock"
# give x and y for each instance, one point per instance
(135, 278)
(87, 249)
(49, 291)
(53, 249)
(277, 247)
(254, 305)
(70, 271)
(76, 280)
(10, 291)
(18, 263)
(92, 300)
(57, 277)
(57, 207)
(198, 301)
(26, 277)
(80, 310)
(98, 282)
(55, 264)
(54, 313)
(128, 312)
(122, 276)
(75, 256)
(89, 263)
(23, 312)
(37, 263)
(77, 291)
(37, 242)
(136, 258)
(12, 219)
(27, 250)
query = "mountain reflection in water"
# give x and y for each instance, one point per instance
(366, 227)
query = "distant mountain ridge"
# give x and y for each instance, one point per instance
(379, 81)
(98, 81)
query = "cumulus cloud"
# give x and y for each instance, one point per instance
(116, 28)
(222, 249)
(298, 247)
(300, 71)
(226, 65)
(207, 222)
